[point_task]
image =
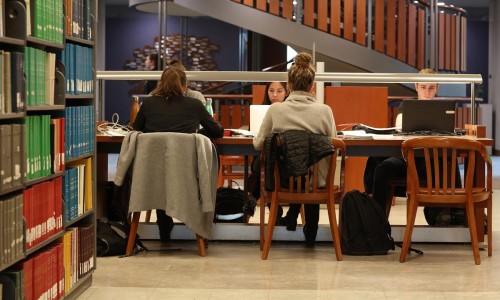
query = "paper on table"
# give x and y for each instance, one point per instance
(242, 132)
(356, 134)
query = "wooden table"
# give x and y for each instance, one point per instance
(380, 146)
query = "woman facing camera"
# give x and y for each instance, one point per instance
(168, 110)
(299, 111)
(276, 91)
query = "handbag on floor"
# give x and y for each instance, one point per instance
(231, 206)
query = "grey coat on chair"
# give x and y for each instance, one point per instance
(176, 172)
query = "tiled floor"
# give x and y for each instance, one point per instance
(234, 270)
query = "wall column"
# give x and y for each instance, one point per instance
(494, 70)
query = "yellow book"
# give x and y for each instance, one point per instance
(89, 195)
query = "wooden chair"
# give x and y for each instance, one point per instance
(296, 193)
(437, 191)
(151, 192)
(226, 171)
(200, 241)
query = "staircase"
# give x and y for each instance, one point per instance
(382, 36)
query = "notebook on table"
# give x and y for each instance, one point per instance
(257, 113)
(428, 117)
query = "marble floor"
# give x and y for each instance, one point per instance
(234, 270)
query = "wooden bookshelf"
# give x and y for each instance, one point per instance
(46, 129)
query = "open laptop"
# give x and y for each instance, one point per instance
(433, 116)
(257, 113)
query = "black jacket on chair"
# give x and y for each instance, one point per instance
(299, 150)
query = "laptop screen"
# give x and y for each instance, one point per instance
(257, 113)
(428, 115)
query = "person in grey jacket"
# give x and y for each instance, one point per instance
(299, 111)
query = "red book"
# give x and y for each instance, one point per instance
(60, 270)
(27, 267)
(58, 203)
(39, 276)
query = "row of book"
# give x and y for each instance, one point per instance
(79, 19)
(11, 229)
(43, 207)
(12, 82)
(45, 20)
(78, 62)
(78, 254)
(77, 188)
(40, 77)
(51, 273)
(11, 171)
(80, 131)
(37, 146)
(58, 147)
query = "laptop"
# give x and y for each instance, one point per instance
(257, 113)
(434, 116)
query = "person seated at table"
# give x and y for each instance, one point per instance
(189, 92)
(380, 172)
(169, 110)
(276, 91)
(299, 111)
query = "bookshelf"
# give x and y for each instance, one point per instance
(47, 144)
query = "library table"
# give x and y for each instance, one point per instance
(384, 145)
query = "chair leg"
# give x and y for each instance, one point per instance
(148, 216)
(262, 207)
(334, 229)
(270, 229)
(490, 226)
(471, 219)
(302, 214)
(410, 223)
(133, 233)
(220, 179)
(200, 241)
(391, 200)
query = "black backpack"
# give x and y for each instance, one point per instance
(364, 226)
(112, 237)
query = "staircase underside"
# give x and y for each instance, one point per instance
(339, 55)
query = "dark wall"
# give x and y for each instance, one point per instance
(134, 30)
(477, 54)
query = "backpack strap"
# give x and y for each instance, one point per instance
(411, 249)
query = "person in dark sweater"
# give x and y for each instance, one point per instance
(168, 110)
(151, 64)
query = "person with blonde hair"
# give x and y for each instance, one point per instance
(169, 110)
(299, 111)
(380, 172)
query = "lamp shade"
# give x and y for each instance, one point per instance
(151, 6)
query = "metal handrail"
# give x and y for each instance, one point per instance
(282, 76)
(242, 76)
